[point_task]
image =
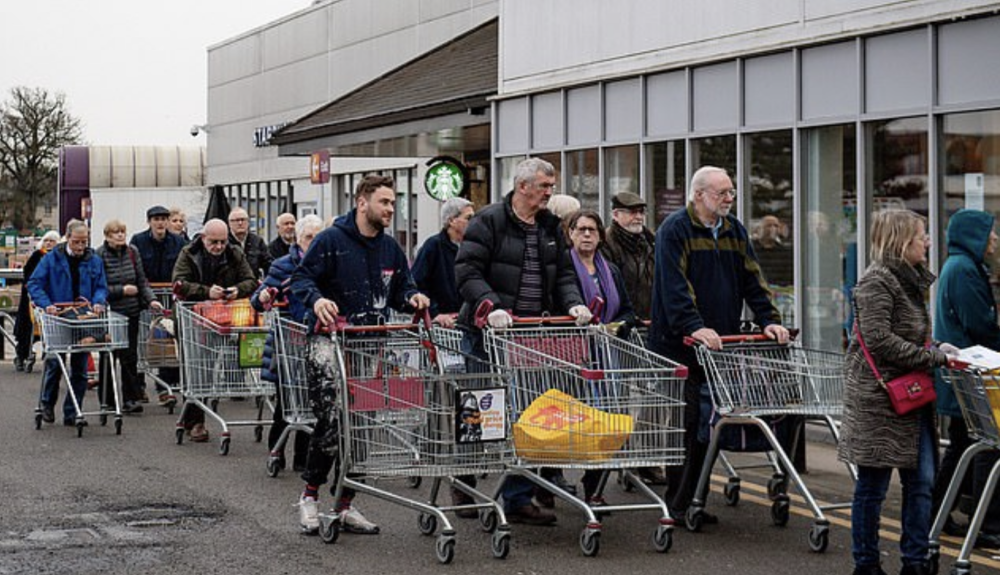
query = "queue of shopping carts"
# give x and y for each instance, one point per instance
(74, 330)
(157, 349)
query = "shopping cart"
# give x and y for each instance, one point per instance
(291, 345)
(404, 416)
(751, 379)
(90, 333)
(221, 352)
(978, 394)
(157, 346)
(561, 378)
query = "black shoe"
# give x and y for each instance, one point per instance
(875, 569)
(545, 498)
(954, 528)
(916, 569)
(72, 423)
(709, 519)
(298, 465)
(530, 515)
(652, 475)
(988, 540)
(132, 407)
(48, 415)
(461, 498)
(18, 364)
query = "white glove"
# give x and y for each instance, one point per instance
(949, 349)
(499, 319)
(581, 314)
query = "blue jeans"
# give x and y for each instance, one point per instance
(516, 491)
(77, 379)
(869, 493)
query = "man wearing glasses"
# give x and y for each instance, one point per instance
(704, 274)
(254, 247)
(210, 268)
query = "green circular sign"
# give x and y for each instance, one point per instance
(445, 180)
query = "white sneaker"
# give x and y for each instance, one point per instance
(308, 515)
(352, 521)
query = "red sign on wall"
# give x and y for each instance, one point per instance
(319, 167)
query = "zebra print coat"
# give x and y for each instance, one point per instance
(891, 310)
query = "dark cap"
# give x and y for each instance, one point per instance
(156, 211)
(627, 201)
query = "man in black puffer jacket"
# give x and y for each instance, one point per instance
(514, 257)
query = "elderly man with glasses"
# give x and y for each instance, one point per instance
(705, 273)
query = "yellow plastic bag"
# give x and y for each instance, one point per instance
(557, 427)
(991, 383)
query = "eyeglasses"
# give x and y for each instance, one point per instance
(216, 242)
(722, 193)
(585, 230)
(238, 219)
(546, 186)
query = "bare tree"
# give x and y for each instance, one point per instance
(34, 125)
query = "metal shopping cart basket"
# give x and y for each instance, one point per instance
(405, 416)
(222, 346)
(978, 394)
(291, 344)
(157, 347)
(584, 399)
(752, 378)
(85, 333)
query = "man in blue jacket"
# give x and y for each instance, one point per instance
(70, 272)
(705, 270)
(355, 270)
(965, 315)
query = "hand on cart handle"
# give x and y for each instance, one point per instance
(778, 333)
(268, 298)
(419, 301)
(446, 320)
(699, 338)
(326, 312)
(156, 306)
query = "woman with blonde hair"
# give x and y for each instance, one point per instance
(892, 321)
(24, 356)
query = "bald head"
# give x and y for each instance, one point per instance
(214, 236)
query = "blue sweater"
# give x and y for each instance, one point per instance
(966, 312)
(434, 273)
(700, 281)
(278, 277)
(158, 257)
(363, 276)
(52, 283)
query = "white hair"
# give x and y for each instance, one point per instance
(700, 179)
(528, 169)
(311, 221)
(451, 209)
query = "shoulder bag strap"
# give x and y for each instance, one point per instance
(864, 348)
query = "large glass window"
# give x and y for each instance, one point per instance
(897, 164)
(666, 182)
(769, 194)
(718, 151)
(582, 179)
(507, 167)
(830, 254)
(970, 170)
(621, 173)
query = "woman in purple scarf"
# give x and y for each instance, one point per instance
(598, 278)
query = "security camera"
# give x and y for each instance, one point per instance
(195, 130)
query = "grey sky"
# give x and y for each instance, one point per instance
(134, 71)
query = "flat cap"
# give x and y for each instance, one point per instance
(627, 200)
(156, 211)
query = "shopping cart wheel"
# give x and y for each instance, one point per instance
(428, 523)
(38, 421)
(414, 481)
(274, 466)
(779, 511)
(118, 426)
(179, 434)
(694, 519)
(663, 538)
(590, 542)
(819, 537)
(500, 544)
(961, 568)
(258, 433)
(488, 520)
(214, 404)
(776, 486)
(732, 491)
(79, 427)
(224, 446)
(329, 529)
(934, 558)
(104, 420)
(444, 548)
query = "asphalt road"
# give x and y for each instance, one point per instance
(139, 503)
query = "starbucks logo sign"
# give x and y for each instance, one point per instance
(445, 178)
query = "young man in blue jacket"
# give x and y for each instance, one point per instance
(705, 270)
(354, 270)
(70, 272)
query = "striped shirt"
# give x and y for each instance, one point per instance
(529, 293)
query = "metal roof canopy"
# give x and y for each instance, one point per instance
(436, 103)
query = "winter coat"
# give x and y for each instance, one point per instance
(255, 249)
(278, 249)
(124, 266)
(234, 271)
(364, 276)
(700, 281)
(158, 257)
(892, 316)
(434, 273)
(634, 254)
(966, 312)
(23, 328)
(278, 278)
(488, 265)
(52, 283)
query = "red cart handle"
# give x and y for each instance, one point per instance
(743, 338)
(486, 307)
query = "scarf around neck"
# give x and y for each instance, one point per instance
(612, 301)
